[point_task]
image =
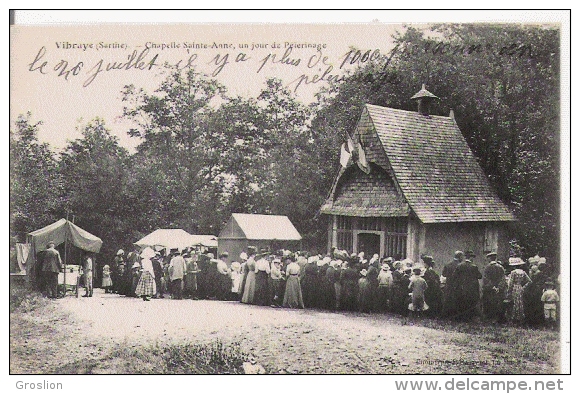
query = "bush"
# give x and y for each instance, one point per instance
(205, 358)
(25, 300)
(215, 357)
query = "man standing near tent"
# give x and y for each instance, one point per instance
(51, 266)
(88, 274)
(177, 270)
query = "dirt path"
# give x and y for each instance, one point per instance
(308, 341)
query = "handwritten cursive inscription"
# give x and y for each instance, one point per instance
(317, 66)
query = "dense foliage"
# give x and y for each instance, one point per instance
(203, 155)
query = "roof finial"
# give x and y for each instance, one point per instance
(424, 98)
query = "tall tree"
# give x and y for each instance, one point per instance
(36, 186)
(95, 174)
(172, 123)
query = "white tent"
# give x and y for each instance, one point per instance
(176, 238)
(209, 241)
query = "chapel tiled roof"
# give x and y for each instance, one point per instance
(435, 168)
(365, 195)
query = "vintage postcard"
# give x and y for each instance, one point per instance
(291, 198)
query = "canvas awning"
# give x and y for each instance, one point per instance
(61, 231)
(176, 238)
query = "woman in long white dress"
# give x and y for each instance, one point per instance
(293, 293)
(250, 286)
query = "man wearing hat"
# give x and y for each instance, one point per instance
(276, 283)
(51, 266)
(158, 271)
(494, 289)
(466, 285)
(449, 301)
(385, 287)
(550, 299)
(88, 274)
(117, 271)
(177, 271)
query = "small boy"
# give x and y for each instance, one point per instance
(418, 285)
(550, 299)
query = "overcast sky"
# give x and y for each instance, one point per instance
(58, 69)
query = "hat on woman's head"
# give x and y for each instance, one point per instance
(120, 252)
(408, 262)
(515, 261)
(427, 259)
(243, 256)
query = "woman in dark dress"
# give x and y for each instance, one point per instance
(309, 283)
(116, 276)
(433, 294)
(321, 288)
(533, 306)
(261, 292)
(364, 293)
(373, 287)
(401, 280)
(332, 275)
(349, 287)
(466, 278)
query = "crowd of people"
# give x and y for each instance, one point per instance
(521, 292)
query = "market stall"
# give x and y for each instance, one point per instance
(67, 236)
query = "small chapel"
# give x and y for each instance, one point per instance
(410, 185)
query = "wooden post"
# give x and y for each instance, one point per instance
(334, 232)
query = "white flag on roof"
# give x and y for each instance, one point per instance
(362, 159)
(344, 155)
